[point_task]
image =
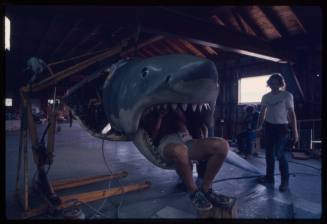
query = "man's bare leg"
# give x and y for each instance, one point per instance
(215, 151)
(178, 153)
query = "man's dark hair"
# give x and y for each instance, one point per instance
(277, 77)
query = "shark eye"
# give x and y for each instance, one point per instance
(145, 72)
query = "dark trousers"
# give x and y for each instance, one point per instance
(276, 138)
(244, 142)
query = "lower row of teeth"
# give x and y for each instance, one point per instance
(153, 148)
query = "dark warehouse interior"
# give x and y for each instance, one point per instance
(83, 83)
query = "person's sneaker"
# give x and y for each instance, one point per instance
(265, 180)
(200, 201)
(219, 200)
(283, 186)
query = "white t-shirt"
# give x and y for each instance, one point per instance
(277, 106)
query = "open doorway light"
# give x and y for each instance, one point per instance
(7, 34)
(251, 89)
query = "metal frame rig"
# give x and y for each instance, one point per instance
(43, 154)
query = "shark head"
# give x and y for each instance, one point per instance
(138, 87)
(126, 93)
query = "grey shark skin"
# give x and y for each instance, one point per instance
(136, 86)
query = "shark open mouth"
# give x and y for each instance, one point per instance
(195, 113)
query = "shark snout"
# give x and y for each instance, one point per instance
(192, 71)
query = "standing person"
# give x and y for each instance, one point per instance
(277, 112)
(247, 136)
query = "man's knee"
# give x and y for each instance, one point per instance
(221, 147)
(179, 152)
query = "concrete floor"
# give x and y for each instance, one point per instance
(78, 154)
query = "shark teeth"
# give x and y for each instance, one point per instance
(200, 107)
(194, 107)
(184, 106)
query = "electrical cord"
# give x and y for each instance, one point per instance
(123, 194)
(294, 174)
(109, 184)
(303, 164)
(98, 211)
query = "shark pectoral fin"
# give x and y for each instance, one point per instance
(236, 160)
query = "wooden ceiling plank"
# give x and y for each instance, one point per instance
(192, 48)
(275, 20)
(251, 23)
(174, 45)
(208, 34)
(147, 52)
(83, 41)
(155, 50)
(298, 18)
(68, 35)
(239, 22)
(217, 20)
(40, 47)
(210, 50)
(143, 44)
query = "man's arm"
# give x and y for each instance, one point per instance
(262, 116)
(292, 117)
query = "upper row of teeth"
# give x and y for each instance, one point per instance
(184, 106)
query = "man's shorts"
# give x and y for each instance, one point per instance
(177, 138)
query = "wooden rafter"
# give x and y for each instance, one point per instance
(250, 22)
(217, 20)
(162, 48)
(239, 22)
(210, 50)
(45, 36)
(67, 36)
(173, 44)
(275, 20)
(155, 50)
(142, 45)
(196, 31)
(143, 53)
(192, 48)
(298, 18)
(147, 52)
(86, 38)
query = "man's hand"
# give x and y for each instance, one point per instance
(295, 137)
(258, 131)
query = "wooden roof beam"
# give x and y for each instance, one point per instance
(251, 23)
(173, 44)
(72, 30)
(192, 48)
(275, 20)
(200, 32)
(142, 45)
(239, 22)
(210, 50)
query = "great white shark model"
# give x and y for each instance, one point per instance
(111, 103)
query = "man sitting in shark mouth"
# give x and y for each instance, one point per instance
(169, 130)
